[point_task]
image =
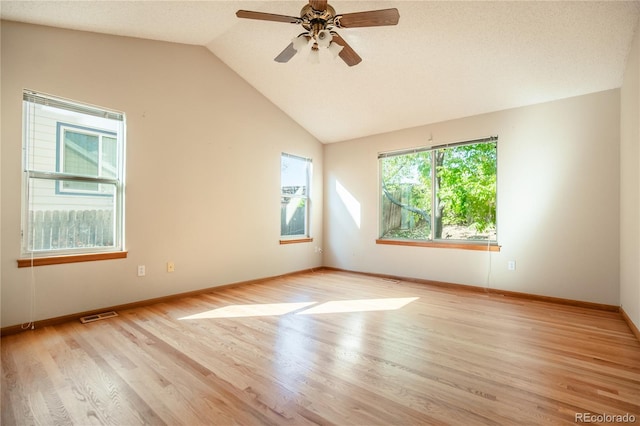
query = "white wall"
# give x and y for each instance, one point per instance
(630, 185)
(203, 170)
(558, 202)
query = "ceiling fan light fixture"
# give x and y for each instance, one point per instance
(335, 49)
(324, 38)
(300, 42)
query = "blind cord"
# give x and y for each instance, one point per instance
(488, 285)
(32, 285)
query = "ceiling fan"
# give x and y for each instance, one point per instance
(319, 20)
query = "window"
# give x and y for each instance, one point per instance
(88, 152)
(445, 193)
(73, 162)
(295, 174)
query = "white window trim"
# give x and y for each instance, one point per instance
(91, 253)
(307, 197)
(489, 245)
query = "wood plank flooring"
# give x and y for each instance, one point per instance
(326, 347)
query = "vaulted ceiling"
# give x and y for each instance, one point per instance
(444, 59)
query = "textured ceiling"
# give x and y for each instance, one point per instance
(444, 59)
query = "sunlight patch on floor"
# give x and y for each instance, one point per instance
(275, 309)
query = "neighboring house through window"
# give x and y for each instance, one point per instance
(73, 187)
(295, 175)
(445, 193)
(86, 152)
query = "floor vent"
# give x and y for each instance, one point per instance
(98, 317)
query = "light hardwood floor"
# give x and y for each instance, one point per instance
(326, 347)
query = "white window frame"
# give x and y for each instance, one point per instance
(53, 173)
(492, 244)
(295, 196)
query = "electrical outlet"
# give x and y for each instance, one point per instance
(171, 267)
(511, 265)
(141, 271)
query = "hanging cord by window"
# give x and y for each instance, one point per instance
(32, 303)
(488, 284)
(32, 284)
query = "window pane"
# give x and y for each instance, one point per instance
(45, 125)
(80, 157)
(294, 188)
(292, 216)
(57, 222)
(447, 193)
(109, 157)
(406, 196)
(294, 175)
(466, 192)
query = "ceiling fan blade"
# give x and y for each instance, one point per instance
(288, 53)
(371, 18)
(248, 14)
(318, 5)
(348, 55)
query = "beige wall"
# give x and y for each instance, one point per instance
(203, 170)
(558, 202)
(630, 185)
(203, 183)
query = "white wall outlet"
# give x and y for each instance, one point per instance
(511, 265)
(141, 270)
(171, 267)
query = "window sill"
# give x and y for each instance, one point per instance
(57, 260)
(434, 244)
(296, 240)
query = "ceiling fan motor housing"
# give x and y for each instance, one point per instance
(317, 20)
